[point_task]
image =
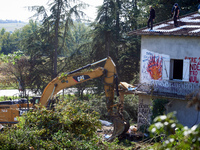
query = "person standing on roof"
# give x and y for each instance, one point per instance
(176, 11)
(151, 17)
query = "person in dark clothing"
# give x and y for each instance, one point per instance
(176, 11)
(151, 17)
(199, 6)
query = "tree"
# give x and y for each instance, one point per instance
(79, 48)
(114, 20)
(103, 36)
(61, 17)
(38, 46)
(15, 68)
(8, 42)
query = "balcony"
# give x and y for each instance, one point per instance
(169, 88)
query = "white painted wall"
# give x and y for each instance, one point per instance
(177, 47)
(185, 115)
(174, 47)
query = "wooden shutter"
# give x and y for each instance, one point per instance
(186, 70)
(165, 69)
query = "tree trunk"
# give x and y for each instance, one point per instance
(56, 39)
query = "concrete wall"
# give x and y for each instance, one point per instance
(157, 49)
(177, 47)
(185, 115)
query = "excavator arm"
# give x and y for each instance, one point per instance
(73, 78)
(70, 80)
(109, 74)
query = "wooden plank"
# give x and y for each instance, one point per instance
(126, 85)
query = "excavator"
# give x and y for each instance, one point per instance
(10, 110)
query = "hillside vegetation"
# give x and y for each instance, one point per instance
(11, 25)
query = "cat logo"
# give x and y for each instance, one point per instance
(4, 110)
(81, 78)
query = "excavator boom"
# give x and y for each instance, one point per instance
(109, 74)
(67, 81)
(73, 78)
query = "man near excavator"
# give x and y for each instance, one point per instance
(198, 6)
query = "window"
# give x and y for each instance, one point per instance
(175, 69)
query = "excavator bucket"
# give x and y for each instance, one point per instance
(120, 127)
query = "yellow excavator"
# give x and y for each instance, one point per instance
(10, 110)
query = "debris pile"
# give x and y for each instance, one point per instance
(132, 134)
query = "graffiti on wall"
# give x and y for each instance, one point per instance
(194, 69)
(154, 68)
(144, 114)
(151, 65)
(176, 87)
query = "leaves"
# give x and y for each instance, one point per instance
(174, 135)
(11, 58)
(71, 125)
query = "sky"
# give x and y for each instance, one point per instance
(15, 9)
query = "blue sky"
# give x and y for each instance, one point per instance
(15, 9)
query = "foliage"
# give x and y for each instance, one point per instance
(72, 56)
(4, 98)
(164, 125)
(57, 22)
(158, 107)
(15, 69)
(8, 42)
(11, 57)
(110, 36)
(131, 107)
(72, 125)
(173, 135)
(98, 103)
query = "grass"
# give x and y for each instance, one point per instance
(4, 98)
(8, 87)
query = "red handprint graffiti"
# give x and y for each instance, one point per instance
(154, 67)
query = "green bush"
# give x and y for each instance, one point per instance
(173, 135)
(98, 103)
(72, 126)
(131, 107)
(158, 107)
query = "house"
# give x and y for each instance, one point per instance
(170, 68)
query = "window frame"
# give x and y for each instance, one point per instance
(167, 70)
